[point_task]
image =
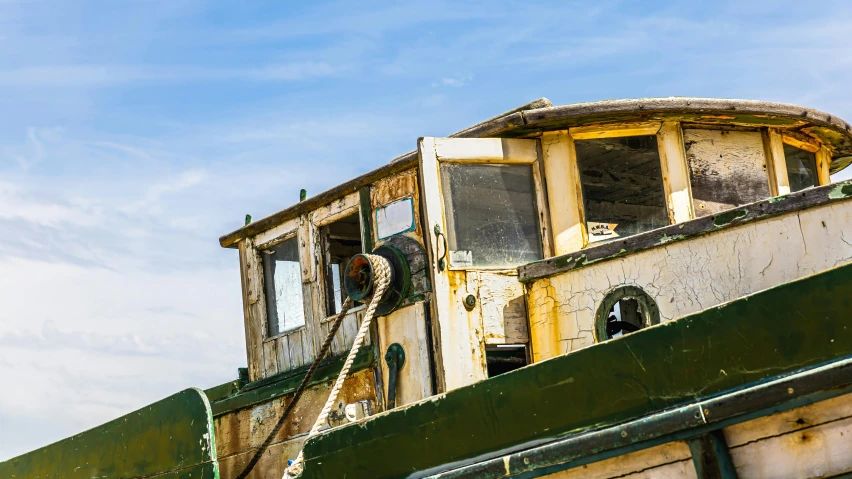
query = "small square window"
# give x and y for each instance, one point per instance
(341, 240)
(492, 219)
(801, 168)
(622, 184)
(283, 285)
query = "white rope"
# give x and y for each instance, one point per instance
(382, 277)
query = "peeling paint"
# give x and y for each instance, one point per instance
(729, 217)
(685, 276)
(841, 191)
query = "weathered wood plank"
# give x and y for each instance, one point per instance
(564, 192)
(776, 164)
(614, 130)
(823, 164)
(407, 327)
(727, 168)
(253, 307)
(486, 150)
(815, 452)
(170, 438)
(653, 460)
(675, 170)
(270, 358)
(504, 312)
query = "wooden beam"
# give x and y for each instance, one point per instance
(676, 182)
(486, 150)
(808, 145)
(564, 193)
(711, 457)
(823, 164)
(252, 285)
(776, 164)
(366, 219)
(595, 132)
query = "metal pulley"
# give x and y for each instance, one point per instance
(359, 278)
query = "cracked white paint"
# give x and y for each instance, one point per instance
(688, 276)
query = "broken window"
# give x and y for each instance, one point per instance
(341, 240)
(622, 185)
(502, 358)
(282, 278)
(801, 168)
(726, 168)
(492, 218)
(625, 310)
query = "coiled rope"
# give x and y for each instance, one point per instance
(382, 278)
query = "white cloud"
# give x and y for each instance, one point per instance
(107, 75)
(15, 205)
(155, 192)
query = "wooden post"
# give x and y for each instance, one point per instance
(251, 283)
(675, 173)
(823, 163)
(776, 164)
(564, 193)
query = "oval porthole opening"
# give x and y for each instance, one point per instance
(625, 310)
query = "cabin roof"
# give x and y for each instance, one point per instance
(540, 115)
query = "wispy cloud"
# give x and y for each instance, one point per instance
(97, 76)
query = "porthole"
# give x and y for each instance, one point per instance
(625, 310)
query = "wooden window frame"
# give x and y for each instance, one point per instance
(502, 151)
(260, 251)
(324, 216)
(776, 162)
(567, 208)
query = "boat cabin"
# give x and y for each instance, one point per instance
(536, 183)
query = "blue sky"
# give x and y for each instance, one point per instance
(133, 134)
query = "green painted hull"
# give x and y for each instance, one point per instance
(170, 439)
(785, 329)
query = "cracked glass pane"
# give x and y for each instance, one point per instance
(801, 168)
(282, 278)
(492, 219)
(622, 186)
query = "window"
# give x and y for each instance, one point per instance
(801, 168)
(340, 241)
(282, 279)
(502, 358)
(492, 218)
(727, 169)
(625, 310)
(622, 185)
(395, 218)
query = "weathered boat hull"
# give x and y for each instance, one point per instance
(512, 424)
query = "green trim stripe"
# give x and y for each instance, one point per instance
(286, 383)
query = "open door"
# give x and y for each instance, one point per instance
(484, 205)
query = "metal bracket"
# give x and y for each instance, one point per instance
(395, 358)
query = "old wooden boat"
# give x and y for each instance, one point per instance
(633, 288)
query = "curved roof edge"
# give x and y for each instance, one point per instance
(539, 115)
